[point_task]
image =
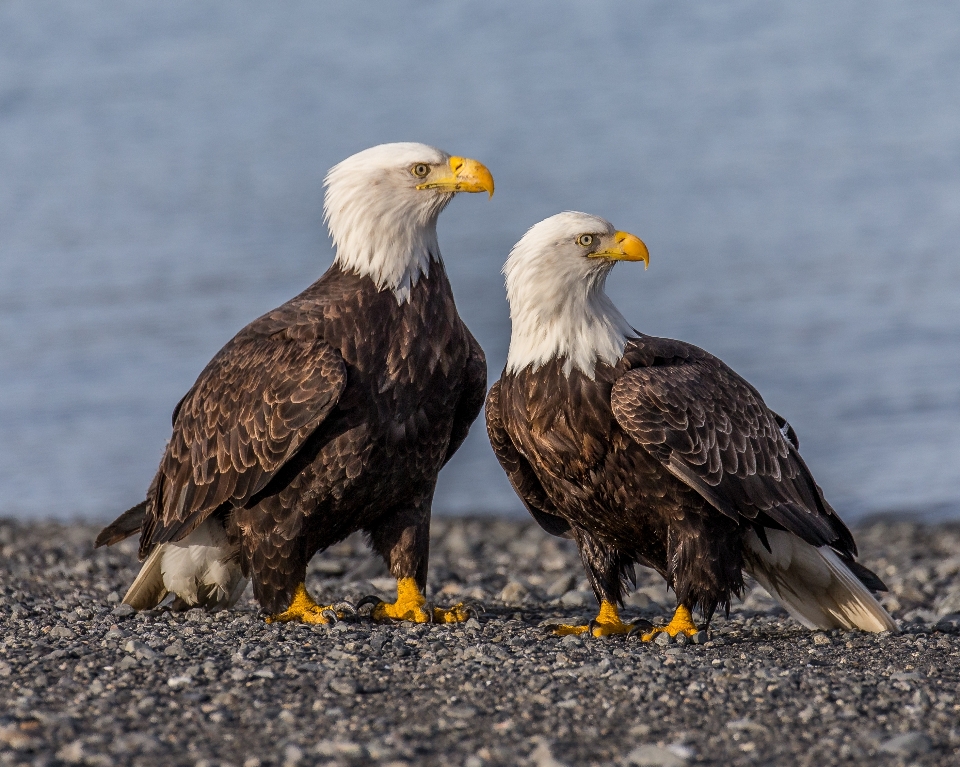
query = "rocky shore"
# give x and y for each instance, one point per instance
(83, 681)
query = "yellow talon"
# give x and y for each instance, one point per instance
(411, 605)
(304, 609)
(607, 623)
(682, 623)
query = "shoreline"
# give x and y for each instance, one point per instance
(82, 682)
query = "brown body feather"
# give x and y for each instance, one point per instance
(330, 414)
(667, 459)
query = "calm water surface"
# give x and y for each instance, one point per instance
(793, 167)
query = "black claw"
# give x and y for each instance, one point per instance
(345, 607)
(370, 599)
(591, 626)
(428, 609)
(639, 626)
(474, 609)
(330, 615)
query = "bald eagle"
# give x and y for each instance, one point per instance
(650, 451)
(330, 414)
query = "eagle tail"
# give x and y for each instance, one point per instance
(127, 524)
(202, 569)
(148, 589)
(814, 584)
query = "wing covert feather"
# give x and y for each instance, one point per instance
(712, 430)
(248, 413)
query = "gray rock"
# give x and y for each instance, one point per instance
(513, 593)
(701, 637)
(61, 632)
(344, 686)
(907, 744)
(663, 639)
(576, 598)
(122, 611)
(561, 585)
(651, 755)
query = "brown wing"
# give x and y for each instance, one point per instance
(712, 430)
(519, 472)
(248, 413)
(472, 393)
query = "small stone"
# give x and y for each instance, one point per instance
(176, 682)
(127, 663)
(663, 639)
(122, 611)
(561, 586)
(473, 624)
(513, 593)
(62, 632)
(571, 640)
(264, 673)
(113, 597)
(908, 744)
(292, 755)
(174, 649)
(344, 686)
(650, 755)
(821, 639)
(700, 637)
(575, 598)
(72, 753)
(681, 639)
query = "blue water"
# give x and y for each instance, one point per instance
(793, 167)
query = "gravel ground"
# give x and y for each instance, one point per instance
(82, 681)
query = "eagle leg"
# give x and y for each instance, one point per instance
(607, 623)
(411, 605)
(682, 623)
(303, 608)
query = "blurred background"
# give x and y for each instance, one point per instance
(793, 167)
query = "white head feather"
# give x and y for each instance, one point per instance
(557, 303)
(382, 226)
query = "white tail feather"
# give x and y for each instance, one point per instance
(201, 569)
(147, 589)
(813, 584)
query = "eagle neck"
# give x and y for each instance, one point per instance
(582, 326)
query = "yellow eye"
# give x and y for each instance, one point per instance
(420, 170)
(585, 240)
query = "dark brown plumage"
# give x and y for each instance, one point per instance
(650, 451)
(664, 460)
(331, 414)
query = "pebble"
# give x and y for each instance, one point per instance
(908, 744)
(499, 690)
(651, 755)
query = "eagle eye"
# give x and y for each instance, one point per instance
(420, 170)
(585, 240)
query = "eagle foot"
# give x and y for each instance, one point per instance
(681, 623)
(607, 623)
(460, 612)
(304, 609)
(411, 605)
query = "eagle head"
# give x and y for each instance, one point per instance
(382, 205)
(555, 279)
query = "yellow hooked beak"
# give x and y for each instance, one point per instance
(466, 175)
(625, 247)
